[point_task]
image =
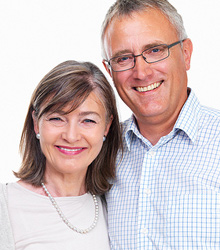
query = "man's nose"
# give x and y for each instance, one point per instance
(142, 69)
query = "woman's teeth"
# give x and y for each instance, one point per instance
(148, 88)
(70, 150)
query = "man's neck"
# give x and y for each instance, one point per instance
(154, 133)
(153, 129)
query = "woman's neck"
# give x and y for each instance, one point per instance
(57, 187)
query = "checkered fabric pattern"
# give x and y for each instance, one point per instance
(167, 196)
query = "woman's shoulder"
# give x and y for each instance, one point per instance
(3, 189)
(6, 236)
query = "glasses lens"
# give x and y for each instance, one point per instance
(156, 53)
(123, 62)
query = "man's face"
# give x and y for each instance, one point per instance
(160, 102)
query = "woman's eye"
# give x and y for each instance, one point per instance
(89, 121)
(55, 119)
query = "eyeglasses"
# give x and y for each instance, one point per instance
(151, 55)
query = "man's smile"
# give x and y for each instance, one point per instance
(149, 87)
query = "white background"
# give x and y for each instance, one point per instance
(36, 35)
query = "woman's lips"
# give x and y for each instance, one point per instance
(70, 151)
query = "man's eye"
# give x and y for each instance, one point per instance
(123, 59)
(156, 50)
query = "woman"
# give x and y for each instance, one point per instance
(69, 144)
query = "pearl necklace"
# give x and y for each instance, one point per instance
(65, 220)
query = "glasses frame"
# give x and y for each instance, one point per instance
(135, 56)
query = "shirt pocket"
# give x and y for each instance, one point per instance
(194, 220)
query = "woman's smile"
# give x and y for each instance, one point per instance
(71, 151)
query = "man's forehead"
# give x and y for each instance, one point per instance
(142, 30)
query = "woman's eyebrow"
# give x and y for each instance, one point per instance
(84, 113)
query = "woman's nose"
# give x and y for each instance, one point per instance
(71, 133)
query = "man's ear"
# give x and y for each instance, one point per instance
(107, 67)
(35, 121)
(187, 50)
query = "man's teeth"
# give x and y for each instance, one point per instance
(70, 150)
(148, 88)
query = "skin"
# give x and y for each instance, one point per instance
(156, 111)
(70, 143)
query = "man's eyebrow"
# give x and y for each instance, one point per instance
(147, 46)
(122, 52)
(151, 45)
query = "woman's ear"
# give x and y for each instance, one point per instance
(35, 121)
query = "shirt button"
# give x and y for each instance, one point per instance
(152, 153)
(144, 231)
(147, 191)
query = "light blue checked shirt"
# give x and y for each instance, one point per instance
(167, 196)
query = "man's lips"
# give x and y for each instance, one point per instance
(149, 87)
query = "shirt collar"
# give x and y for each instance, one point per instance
(188, 121)
(130, 130)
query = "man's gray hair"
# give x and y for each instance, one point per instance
(126, 7)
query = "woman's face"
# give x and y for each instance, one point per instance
(71, 142)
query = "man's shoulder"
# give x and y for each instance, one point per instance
(209, 122)
(211, 115)
(210, 111)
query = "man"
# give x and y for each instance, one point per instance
(167, 191)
